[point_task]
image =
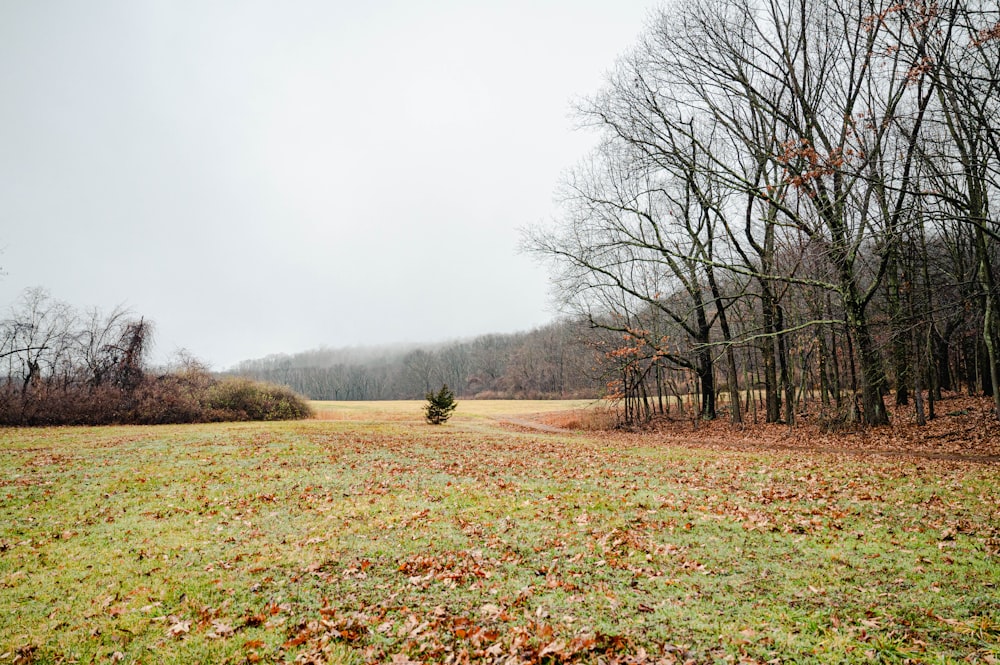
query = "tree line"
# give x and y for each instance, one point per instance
(558, 360)
(793, 201)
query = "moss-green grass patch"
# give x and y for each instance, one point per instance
(380, 538)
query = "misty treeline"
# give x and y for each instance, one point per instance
(558, 360)
(59, 366)
(795, 203)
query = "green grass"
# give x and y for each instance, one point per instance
(362, 540)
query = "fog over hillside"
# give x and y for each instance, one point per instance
(554, 361)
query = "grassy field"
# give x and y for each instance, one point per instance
(471, 410)
(367, 536)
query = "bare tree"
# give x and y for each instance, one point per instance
(790, 124)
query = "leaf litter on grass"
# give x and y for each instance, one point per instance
(347, 542)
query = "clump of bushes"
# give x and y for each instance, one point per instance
(174, 397)
(58, 367)
(245, 399)
(196, 396)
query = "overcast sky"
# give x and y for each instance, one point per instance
(262, 177)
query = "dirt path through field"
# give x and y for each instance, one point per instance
(533, 425)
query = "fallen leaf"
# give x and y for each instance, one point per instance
(555, 647)
(220, 630)
(490, 610)
(178, 628)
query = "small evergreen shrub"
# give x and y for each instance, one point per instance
(440, 406)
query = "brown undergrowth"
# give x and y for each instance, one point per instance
(964, 428)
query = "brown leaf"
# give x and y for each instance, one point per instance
(490, 611)
(556, 647)
(24, 654)
(178, 628)
(585, 642)
(220, 630)
(254, 620)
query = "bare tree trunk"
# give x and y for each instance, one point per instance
(786, 382)
(988, 285)
(772, 399)
(900, 343)
(824, 380)
(918, 395)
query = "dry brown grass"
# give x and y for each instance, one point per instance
(594, 419)
(412, 410)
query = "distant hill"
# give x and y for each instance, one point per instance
(553, 361)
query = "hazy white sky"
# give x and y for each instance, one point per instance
(259, 177)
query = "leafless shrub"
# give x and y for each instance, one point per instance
(64, 369)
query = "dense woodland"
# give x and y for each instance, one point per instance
(793, 201)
